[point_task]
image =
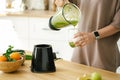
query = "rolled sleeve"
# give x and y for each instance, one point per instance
(116, 20)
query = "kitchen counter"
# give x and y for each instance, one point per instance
(65, 70)
(29, 13)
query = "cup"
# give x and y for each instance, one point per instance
(42, 59)
(71, 39)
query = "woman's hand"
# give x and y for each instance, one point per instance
(83, 38)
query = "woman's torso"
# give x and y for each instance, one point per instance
(103, 53)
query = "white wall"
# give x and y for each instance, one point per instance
(8, 36)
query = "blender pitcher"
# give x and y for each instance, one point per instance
(68, 15)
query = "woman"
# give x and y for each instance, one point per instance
(99, 30)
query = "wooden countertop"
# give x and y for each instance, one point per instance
(65, 70)
(29, 13)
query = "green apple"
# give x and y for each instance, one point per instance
(96, 76)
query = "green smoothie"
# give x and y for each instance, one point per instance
(74, 22)
(72, 44)
(68, 15)
(59, 21)
(61, 24)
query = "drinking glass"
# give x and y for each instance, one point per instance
(71, 39)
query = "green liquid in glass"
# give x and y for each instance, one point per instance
(74, 22)
(72, 44)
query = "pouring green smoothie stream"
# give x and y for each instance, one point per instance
(69, 14)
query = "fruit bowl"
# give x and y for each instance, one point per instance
(24, 56)
(11, 66)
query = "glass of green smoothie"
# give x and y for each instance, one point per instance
(71, 39)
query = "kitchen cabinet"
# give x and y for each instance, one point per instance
(35, 30)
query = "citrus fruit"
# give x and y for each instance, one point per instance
(3, 58)
(15, 55)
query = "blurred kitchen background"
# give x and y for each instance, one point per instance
(20, 5)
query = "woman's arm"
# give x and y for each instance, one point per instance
(113, 28)
(89, 37)
(109, 30)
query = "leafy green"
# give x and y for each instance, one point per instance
(28, 57)
(19, 50)
(8, 52)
